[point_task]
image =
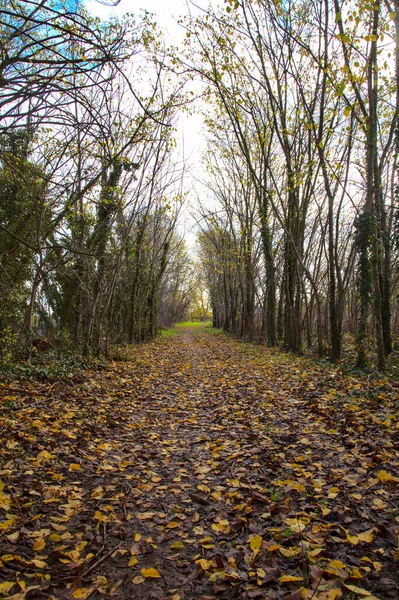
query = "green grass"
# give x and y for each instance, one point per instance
(193, 324)
(214, 330)
(196, 327)
(170, 332)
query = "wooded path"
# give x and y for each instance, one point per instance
(200, 467)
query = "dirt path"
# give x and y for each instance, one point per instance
(201, 468)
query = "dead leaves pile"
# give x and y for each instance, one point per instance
(200, 468)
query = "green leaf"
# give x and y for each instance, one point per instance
(347, 110)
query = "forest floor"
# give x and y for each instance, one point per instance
(200, 467)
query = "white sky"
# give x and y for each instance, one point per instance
(167, 13)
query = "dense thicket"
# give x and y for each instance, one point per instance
(300, 244)
(89, 192)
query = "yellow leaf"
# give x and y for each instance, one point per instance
(6, 524)
(207, 542)
(133, 561)
(222, 526)
(203, 488)
(9, 557)
(216, 495)
(261, 572)
(289, 552)
(294, 485)
(172, 525)
(385, 476)
(83, 592)
(235, 482)
(81, 546)
(336, 564)
(203, 470)
(6, 586)
(353, 539)
(145, 516)
(315, 552)
(74, 467)
(273, 547)
(100, 517)
(359, 591)
(177, 545)
(150, 573)
(40, 564)
(379, 504)
(333, 594)
(366, 536)
(295, 525)
(347, 111)
(255, 544)
(39, 545)
(138, 579)
(288, 578)
(44, 454)
(333, 492)
(5, 501)
(355, 574)
(58, 527)
(137, 537)
(13, 537)
(204, 564)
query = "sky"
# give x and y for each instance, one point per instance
(166, 11)
(190, 135)
(166, 14)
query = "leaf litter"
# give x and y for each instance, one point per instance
(200, 467)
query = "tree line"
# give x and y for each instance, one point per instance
(299, 233)
(90, 190)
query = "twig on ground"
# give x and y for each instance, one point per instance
(99, 561)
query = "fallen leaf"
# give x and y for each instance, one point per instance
(6, 586)
(255, 543)
(39, 545)
(204, 564)
(289, 578)
(150, 573)
(385, 476)
(83, 592)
